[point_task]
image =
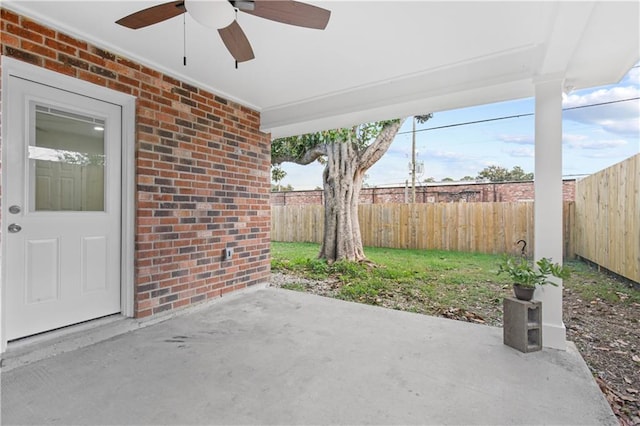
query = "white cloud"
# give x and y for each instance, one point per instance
(596, 144)
(520, 152)
(517, 139)
(449, 156)
(437, 164)
(603, 95)
(619, 118)
(568, 138)
(599, 155)
(629, 126)
(400, 147)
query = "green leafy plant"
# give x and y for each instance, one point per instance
(526, 274)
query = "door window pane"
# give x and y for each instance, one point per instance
(66, 160)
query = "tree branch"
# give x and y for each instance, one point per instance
(308, 156)
(377, 149)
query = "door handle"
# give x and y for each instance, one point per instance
(14, 209)
(14, 227)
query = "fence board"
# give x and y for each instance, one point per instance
(607, 218)
(472, 227)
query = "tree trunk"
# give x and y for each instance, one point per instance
(342, 180)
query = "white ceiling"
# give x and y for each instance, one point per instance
(376, 59)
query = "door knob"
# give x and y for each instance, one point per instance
(14, 209)
(14, 227)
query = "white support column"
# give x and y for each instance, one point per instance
(548, 203)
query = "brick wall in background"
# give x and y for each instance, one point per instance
(202, 171)
(433, 193)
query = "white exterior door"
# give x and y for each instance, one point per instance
(61, 208)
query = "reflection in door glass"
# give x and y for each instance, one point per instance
(66, 162)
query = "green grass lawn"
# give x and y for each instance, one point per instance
(454, 284)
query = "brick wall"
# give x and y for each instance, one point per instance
(432, 193)
(202, 171)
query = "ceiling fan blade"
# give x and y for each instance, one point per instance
(291, 12)
(236, 41)
(153, 15)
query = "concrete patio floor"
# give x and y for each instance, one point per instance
(274, 356)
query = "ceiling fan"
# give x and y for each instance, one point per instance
(221, 14)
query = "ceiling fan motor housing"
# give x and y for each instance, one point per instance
(211, 13)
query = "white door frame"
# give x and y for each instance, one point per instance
(15, 68)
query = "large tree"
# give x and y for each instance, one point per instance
(502, 174)
(347, 154)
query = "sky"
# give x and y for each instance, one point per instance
(594, 138)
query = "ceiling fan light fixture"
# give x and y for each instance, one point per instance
(244, 4)
(211, 13)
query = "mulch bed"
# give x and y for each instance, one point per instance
(608, 337)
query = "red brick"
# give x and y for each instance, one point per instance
(130, 81)
(37, 28)
(119, 87)
(72, 41)
(22, 55)
(181, 303)
(144, 313)
(95, 59)
(129, 64)
(24, 33)
(93, 78)
(36, 48)
(8, 16)
(61, 47)
(61, 68)
(469, 192)
(10, 40)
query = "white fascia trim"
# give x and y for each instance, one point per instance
(272, 122)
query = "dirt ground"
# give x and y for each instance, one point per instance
(607, 335)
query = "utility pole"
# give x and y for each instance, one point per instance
(422, 119)
(413, 162)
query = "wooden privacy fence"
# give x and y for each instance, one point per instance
(471, 227)
(607, 221)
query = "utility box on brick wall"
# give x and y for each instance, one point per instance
(522, 324)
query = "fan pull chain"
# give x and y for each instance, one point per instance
(235, 9)
(184, 39)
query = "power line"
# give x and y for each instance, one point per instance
(507, 117)
(470, 122)
(602, 103)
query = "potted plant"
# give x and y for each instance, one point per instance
(526, 276)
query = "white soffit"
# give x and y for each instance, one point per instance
(376, 59)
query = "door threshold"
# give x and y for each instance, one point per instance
(34, 348)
